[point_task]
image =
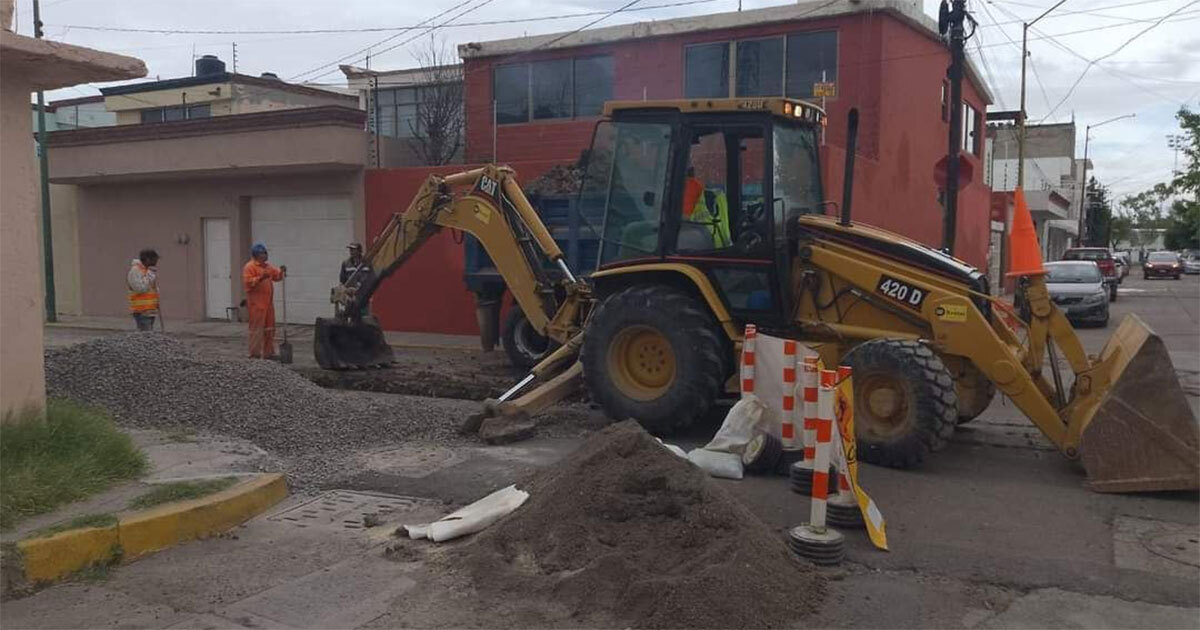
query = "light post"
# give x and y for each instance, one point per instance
(1087, 136)
(1021, 122)
(1175, 142)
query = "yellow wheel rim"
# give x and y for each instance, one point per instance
(885, 412)
(641, 362)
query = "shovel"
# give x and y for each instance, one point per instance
(285, 348)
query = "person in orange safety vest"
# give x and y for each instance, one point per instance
(257, 280)
(142, 283)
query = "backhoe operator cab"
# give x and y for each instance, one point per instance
(709, 184)
(696, 196)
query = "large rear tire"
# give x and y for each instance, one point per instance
(654, 354)
(904, 402)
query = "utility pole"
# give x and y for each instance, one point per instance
(1021, 121)
(957, 15)
(44, 176)
(1083, 200)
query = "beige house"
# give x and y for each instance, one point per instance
(201, 191)
(27, 65)
(198, 168)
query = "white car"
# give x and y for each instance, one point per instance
(1191, 265)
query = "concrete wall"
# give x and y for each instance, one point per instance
(64, 228)
(22, 376)
(116, 220)
(248, 99)
(166, 155)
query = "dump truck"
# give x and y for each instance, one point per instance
(714, 216)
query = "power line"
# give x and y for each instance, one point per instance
(427, 31)
(381, 42)
(1116, 50)
(370, 29)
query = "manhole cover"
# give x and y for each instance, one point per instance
(1178, 546)
(347, 509)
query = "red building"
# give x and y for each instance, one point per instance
(536, 100)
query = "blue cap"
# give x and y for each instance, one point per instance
(258, 248)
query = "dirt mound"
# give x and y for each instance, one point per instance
(625, 533)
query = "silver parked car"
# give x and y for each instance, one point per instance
(1191, 264)
(1077, 289)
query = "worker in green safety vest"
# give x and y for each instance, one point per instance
(712, 208)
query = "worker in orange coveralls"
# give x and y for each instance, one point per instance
(257, 279)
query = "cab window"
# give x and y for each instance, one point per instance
(627, 173)
(722, 201)
(797, 175)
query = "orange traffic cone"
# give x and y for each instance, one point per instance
(1026, 255)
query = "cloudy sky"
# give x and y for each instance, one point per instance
(1092, 60)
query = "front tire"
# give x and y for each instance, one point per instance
(654, 354)
(905, 406)
(1112, 293)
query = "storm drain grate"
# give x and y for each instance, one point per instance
(347, 509)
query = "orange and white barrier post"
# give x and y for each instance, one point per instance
(787, 429)
(823, 447)
(748, 359)
(809, 383)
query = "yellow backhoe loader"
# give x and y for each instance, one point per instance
(713, 216)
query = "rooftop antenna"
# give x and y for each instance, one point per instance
(234, 44)
(193, 58)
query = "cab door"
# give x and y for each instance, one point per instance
(723, 223)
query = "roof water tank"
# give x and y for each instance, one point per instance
(269, 75)
(208, 65)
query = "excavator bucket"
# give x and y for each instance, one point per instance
(1142, 435)
(340, 345)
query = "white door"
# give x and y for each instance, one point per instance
(218, 283)
(309, 234)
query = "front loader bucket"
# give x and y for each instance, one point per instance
(339, 345)
(1142, 436)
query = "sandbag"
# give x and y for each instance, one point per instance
(472, 518)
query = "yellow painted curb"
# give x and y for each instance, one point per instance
(49, 558)
(147, 531)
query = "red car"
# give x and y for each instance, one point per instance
(1104, 260)
(1162, 265)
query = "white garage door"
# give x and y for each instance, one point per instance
(308, 234)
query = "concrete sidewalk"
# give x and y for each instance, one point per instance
(298, 333)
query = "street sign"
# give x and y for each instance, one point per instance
(826, 89)
(966, 172)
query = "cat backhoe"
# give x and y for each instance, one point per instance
(714, 217)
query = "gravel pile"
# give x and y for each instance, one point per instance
(154, 381)
(623, 533)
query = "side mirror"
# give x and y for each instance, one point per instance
(648, 198)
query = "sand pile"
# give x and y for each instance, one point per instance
(625, 533)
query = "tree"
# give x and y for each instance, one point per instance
(1182, 223)
(437, 130)
(1097, 229)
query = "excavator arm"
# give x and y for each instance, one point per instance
(487, 203)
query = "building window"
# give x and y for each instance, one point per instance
(178, 112)
(794, 66)
(706, 71)
(811, 59)
(550, 82)
(593, 84)
(760, 67)
(397, 112)
(560, 88)
(510, 88)
(971, 138)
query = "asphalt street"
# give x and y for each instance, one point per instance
(996, 530)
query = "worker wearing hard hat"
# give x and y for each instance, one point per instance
(258, 277)
(357, 273)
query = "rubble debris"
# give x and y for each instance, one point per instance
(623, 533)
(151, 380)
